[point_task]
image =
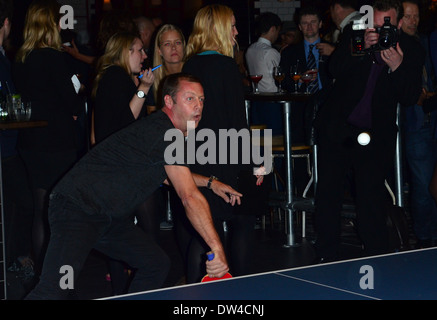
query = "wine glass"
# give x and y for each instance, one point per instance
(307, 78)
(255, 78)
(279, 76)
(295, 75)
(314, 73)
(22, 110)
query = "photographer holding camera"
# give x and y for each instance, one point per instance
(364, 98)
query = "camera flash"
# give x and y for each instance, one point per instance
(363, 138)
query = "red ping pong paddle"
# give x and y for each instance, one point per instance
(207, 278)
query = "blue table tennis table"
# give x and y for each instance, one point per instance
(407, 275)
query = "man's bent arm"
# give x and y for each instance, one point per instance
(226, 192)
(199, 214)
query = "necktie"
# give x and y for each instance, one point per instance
(313, 86)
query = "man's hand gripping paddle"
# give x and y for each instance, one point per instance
(207, 278)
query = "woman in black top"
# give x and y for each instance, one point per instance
(120, 91)
(42, 76)
(210, 57)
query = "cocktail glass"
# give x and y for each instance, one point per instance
(307, 78)
(295, 75)
(255, 78)
(279, 76)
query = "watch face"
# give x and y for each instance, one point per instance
(140, 94)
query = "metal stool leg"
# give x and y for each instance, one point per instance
(168, 223)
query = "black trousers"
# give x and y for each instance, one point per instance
(73, 235)
(18, 209)
(367, 167)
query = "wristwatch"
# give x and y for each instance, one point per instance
(141, 94)
(210, 181)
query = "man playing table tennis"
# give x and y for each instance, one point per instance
(91, 206)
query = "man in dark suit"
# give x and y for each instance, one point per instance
(310, 23)
(377, 82)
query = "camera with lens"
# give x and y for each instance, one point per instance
(388, 37)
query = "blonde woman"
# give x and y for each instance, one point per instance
(41, 75)
(118, 93)
(210, 57)
(170, 53)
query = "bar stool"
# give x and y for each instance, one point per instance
(298, 151)
(275, 198)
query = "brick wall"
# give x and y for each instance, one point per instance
(284, 9)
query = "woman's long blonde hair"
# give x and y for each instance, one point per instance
(212, 31)
(157, 58)
(116, 53)
(41, 28)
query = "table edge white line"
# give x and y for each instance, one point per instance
(327, 286)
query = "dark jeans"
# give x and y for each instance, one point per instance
(74, 233)
(421, 153)
(18, 209)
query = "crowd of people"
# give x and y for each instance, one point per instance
(64, 201)
(357, 93)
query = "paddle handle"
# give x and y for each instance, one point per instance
(210, 256)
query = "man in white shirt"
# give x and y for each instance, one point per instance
(261, 56)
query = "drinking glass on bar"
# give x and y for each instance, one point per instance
(307, 78)
(279, 76)
(22, 110)
(255, 78)
(295, 75)
(14, 102)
